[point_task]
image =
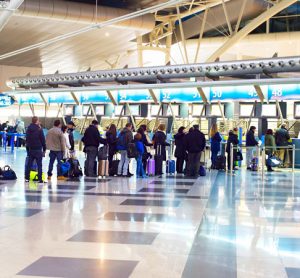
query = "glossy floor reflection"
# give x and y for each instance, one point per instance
(168, 226)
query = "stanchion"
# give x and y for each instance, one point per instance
(231, 159)
(293, 158)
(263, 161)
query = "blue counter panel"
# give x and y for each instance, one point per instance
(93, 97)
(134, 96)
(181, 95)
(28, 98)
(284, 92)
(233, 93)
(62, 97)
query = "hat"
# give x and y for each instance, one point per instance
(71, 123)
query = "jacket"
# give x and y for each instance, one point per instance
(232, 140)
(180, 151)
(195, 141)
(112, 143)
(159, 139)
(35, 139)
(145, 142)
(250, 139)
(71, 138)
(215, 143)
(127, 137)
(92, 138)
(55, 140)
(270, 144)
(282, 136)
(139, 147)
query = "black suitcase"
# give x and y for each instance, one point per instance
(221, 163)
(85, 168)
(113, 171)
(158, 161)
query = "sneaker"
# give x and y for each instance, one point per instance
(49, 177)
(42, 182)
(61, 178)
(248, 168)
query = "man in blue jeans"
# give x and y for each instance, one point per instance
(36, 148)
(55, 142)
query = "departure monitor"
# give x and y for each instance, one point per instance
(269, 110)
(297, 110)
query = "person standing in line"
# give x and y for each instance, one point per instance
(270, 146)
(111, 138)
(92, 140)
(282, 138)
(232, 142)
(20, 129)
(124, 139)
(180, 152)
(142, 130)
(159, 139)
(64, 130)
(36, 148)
(71, 127)
(140, 173)
(194, 143)
(215, 141)
(251, 143)
(55, 142)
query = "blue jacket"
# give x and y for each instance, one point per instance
(139, 147)
(250, 139)
(215, 143)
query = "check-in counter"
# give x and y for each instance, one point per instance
(296, 142)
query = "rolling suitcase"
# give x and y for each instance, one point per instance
(202, 171)
(151, 167)
(254, 164)
(171, 168)
(221, 162)
(158, 161)
(103, 168)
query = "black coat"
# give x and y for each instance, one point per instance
(159, 139)
(250, 139)
(92, 137)
(232, 139)
(35, 139)
(112, 142)
(180, 151)
(71, 138)
(194, 141)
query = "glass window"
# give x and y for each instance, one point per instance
(215, 109)
(99, 110)
(118, 110)
(175, 109)
(245, 110)
(297, 110)
(85, 110)
(154, 110)
(197, 109)
(69, 110)
(135, 110)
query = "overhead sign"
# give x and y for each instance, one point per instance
(284, 92)
(93, 97)
(6, 100)
(136, 96)
(59, 98)
(28, 98)
(181, 95)
(233, 93)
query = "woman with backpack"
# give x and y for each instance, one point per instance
(142, 130)
(111, 138)
(180, 152)
(215, 140)
(232, 142)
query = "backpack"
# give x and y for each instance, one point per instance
(8, 173)
(75, 169)
(121, 141)
(65, 167)
(132, 151)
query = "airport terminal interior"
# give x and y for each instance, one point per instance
(174, 127)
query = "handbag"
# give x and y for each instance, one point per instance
(8, 173)
(238, 156)
(273, 161)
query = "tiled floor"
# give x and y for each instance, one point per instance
(213, 226)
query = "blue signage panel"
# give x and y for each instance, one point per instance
(28, 98)
(93, 97)
(233, 93)
(137, 96)
(6, 100)
(284, 92)
(63, 97)
(180, 95)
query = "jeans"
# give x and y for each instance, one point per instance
(214, 158)
(36, 155)
(91, 155)
(123, 164)
(58, 156)
(139, 167)
(193, 164)
(249, 156)
(179, 165)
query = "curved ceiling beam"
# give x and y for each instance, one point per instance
(250, 27)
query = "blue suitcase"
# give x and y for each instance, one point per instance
(171, 168)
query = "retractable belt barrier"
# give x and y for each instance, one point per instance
(12, 136)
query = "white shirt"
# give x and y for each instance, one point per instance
(68, 145)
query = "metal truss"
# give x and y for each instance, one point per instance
(148, 75)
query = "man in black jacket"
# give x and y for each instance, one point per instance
(71, 127)
(251, 143)
(36, 148)
(92, 140)
(194, 143)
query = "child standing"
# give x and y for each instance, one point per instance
(140, 173)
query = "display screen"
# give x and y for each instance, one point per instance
(175, 109)
(215, 110)
(297, 110)
(246, 110)
(269, 110)
(85, 110)
(154, 110)
(197, 109)
(135, 110)
(99, 110)
(118, 110)
(69, 110)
